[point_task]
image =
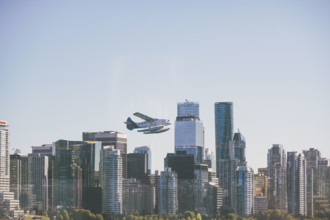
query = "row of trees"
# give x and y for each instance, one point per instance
(82, 214)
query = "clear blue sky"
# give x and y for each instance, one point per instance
(73, 66)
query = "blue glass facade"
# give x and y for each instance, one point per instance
(224, 126)
(189, 130)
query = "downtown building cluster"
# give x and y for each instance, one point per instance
(97, 173)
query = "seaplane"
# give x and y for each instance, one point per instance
(151, 125)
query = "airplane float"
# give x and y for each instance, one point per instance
(152, 125)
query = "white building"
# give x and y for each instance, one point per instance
(189, 130)
(111, 180)
(4, 157)
(6, 197)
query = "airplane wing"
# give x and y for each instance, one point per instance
(144, 117)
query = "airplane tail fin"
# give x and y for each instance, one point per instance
(130, 124)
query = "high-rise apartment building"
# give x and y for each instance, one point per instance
(7, 198)
(277, 174)
(4, 157)
(297, 184)
(189, 130)
(312, 157)
(244, 190)
(226, 163)
(168, 192)
(111, 180)
(260, 184)
(110, 138)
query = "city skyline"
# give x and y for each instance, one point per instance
(90, 68)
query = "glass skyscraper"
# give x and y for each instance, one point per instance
(226, 163)
(224, 126)
(189, 130)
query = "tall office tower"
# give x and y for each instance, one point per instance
(110, 138)
(16, 173)
(224, 126)
(226, 163)
(137, 166)
(38, 181)
(47, 150)
(23, 200)
(183, 165)
(73, 157)
(4, 157)
(297, 184)
(245, 194)
(189, 130)
(144, 150)
(239, 146)
(111, 180)
(168, 192)
(260, 184)
(277, 175)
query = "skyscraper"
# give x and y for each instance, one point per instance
(137, 165)
(189, 130)
(226, 163)
(47, 150)
(224, 127)
(73, 157)
(239, 147)
(6, 197)
(144, 150)
(277, 174)
(168, 191)
(110, 138)
(111, 180)
(297, 184)
(244, 193)
(183, 165)
(38, 181)
(4, 157)
(312, 157)
(16, 174)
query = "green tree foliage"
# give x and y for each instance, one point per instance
(100, 217)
